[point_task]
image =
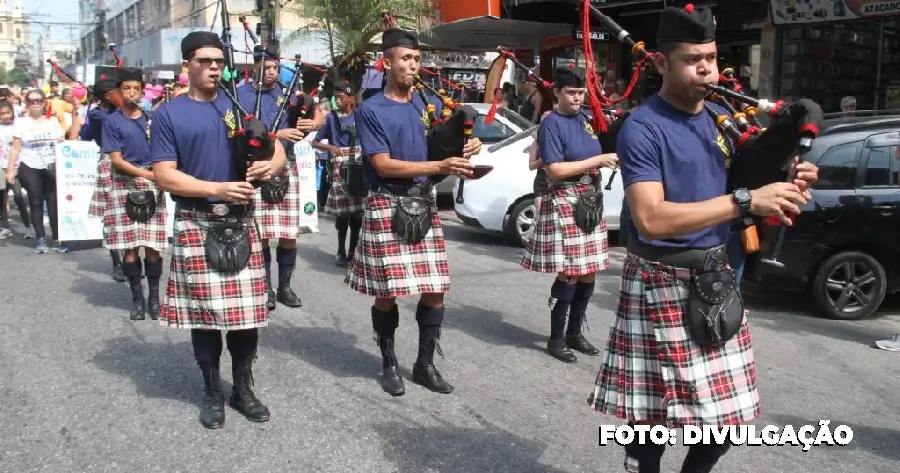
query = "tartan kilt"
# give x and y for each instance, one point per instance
(653, 371)
(281, 220)
(557, 245)
(339, 203)
(102, 187)
(198, 297)
(384, 267)
(123, 233)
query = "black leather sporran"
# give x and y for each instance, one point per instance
(589, 211)
(140, 206)
(715, 308)
(412, 219)
(227, 246)
(352, 176)
(274, 191)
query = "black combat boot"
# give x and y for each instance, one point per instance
(578, 320)
(242, 346)
(153, 270)
(341, 224)
(118, 274)
(560, 299)
(424, 371)
(287, 259)
(133, 271)
(270, 293)
(385, 324)
(212, 412)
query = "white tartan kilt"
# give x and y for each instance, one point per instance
(340, 203)
(102, 187)
(280, 220)
(384, 267)
(123, 233)
(557, 245)
(653, 370)
(198, 297)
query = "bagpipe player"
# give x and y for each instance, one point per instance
(570, 238)
(276, 213)
(663, 363)
(136, 215)
(217, 278)
(409, 258)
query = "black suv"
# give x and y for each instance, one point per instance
(844, 249)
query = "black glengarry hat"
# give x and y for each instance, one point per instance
(103, 86)
(397, 37)
(344, 87)
(199, 39)
(271, 52)
(130, 74)
(694, 25)
(568, 77)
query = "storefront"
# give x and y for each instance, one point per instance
(830, 49)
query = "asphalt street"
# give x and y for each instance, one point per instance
(86, 390)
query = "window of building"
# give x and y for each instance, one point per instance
(18, 34)
(837, 167)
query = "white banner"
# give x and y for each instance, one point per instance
(76, 175)
(309, 197)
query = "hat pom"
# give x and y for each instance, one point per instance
(689, 8)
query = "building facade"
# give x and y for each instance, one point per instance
(13, 35)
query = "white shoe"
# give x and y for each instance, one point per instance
(29, 233)
(889, 345)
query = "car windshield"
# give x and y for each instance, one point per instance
(499, 130)
(517, 120)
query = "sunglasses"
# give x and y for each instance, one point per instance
(35, 101)
(206, 61)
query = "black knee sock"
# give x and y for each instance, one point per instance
(648, 456)
(341, 224)
(207, 348)
(153, 270)
(287, 258)
(355, 227)
(429, 320)
(560, 299)
(702, 458)
(385, 323)
(116, 257)
(267, 261)
(132, 270)
(242, 345)
(580, 300)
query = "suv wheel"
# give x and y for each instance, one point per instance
(521, 221)
(849, 286)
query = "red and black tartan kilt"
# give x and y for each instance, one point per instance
(123, 233)
(102, 187)
(382, 266)
(198, 297)
(653, 371)
(340, 203)
(281, 220)
(557, 245)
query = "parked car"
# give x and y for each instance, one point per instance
(844, 248)
(503, 201)
(506, 124)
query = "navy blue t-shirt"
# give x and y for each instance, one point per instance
(95, 117)
(567, 138)
(332, 130)
(197, 136)
(127, 136)
(686, 153)
(397, 128)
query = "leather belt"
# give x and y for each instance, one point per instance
(412, 190)
(582, 179)
(687, 258)
(219, 209)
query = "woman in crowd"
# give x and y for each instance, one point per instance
(34, 151)
(7, 117)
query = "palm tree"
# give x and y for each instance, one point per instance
(352, 25)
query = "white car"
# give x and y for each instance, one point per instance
(503, 200)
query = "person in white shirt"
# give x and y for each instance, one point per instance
(34, 151)
(6, 132)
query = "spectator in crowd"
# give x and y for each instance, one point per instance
(848, 105)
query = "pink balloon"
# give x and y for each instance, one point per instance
(79, 93)
(149, 96)
(183, 78)
(158, 88)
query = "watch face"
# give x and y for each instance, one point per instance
(742, 195)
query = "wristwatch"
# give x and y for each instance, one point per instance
(742, 198)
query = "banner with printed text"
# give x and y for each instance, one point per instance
(309, 197)
(786, 12)
(76, 175)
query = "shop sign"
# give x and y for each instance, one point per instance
(785, 12)
(470, 78)
(578, 35)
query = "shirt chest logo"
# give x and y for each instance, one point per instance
(589, 129)
(723, 147)
(426, 120)
(230, 122)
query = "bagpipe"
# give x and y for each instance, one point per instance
(254, 140)
(448, 133)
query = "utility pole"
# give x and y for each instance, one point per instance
(101, 36)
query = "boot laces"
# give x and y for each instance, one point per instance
(245, 383)
(437, 348)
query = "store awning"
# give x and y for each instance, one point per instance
(485, 33)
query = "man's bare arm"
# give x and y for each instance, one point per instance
(170, 179)
(657, 219)
(395, 168)
(121, 165)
